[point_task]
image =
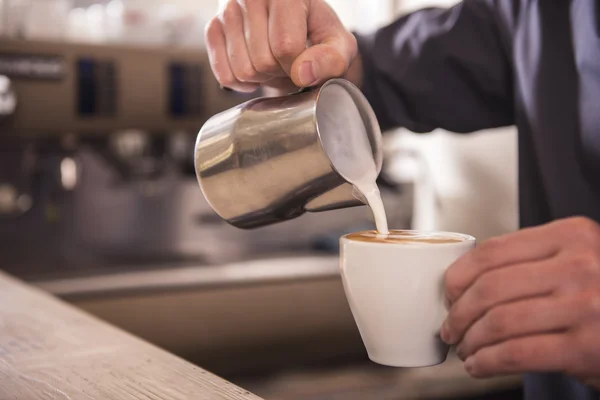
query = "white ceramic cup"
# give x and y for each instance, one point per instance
(396, 293)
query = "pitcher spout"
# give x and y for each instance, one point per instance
(343, 196)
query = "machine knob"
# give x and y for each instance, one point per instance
(8, 97)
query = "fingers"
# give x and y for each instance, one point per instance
(516, 307)
(319, 63)
(219, 58)
(501, 286)
(256, 34)
(333, 48)
(254, 41)
(279, 87)
(542, 353)
(518, 319)
(239, 59)
(288, 30)
(526, 245)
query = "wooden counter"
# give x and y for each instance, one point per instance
(51, 350)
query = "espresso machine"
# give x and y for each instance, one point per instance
(97, 169)
(95, 156)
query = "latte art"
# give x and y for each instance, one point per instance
(408, 237)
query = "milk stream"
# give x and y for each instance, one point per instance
(373, 197)
(346, 142)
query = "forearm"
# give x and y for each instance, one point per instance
(438, 68)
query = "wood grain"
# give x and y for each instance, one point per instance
(51, 350)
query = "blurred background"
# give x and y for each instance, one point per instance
(100, 105)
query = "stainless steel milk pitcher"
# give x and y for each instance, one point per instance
(263, 161)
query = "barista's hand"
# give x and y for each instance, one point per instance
(282, 44)
(529, 301)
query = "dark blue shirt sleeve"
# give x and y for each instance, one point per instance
(440, 68)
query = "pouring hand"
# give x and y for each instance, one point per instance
(281, 44)
(529, 301)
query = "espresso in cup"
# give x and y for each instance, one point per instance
(394, 284)
(405, 236)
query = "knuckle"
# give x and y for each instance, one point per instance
(459, 320)
(513, 356)
(265, 64)
(484, 288)
(212, 30)
(587, 263)
(586, 229)
(249, 4)
(486, 253)
(493, 243)
(226, 80)
(286, 46)
(338, 63)
(592, 303)
(230, 13)
(245, 73)
(497, 322)
(351, 39)
(454, 286)
(351, 44)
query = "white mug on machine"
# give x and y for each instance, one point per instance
(395, 288)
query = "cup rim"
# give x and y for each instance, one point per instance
(467, 239)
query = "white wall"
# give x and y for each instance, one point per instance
(364, 15)
(205, 8)
(361, 15)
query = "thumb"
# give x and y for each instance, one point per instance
(320, 63)
(332, 48)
